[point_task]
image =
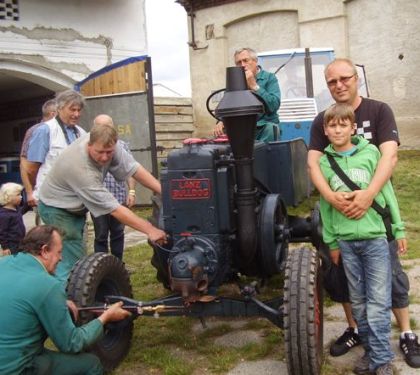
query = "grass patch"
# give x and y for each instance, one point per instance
(220, 359)
(169, 363)
(406, 181)
(144, 212)
(219, 330)
(254, 351)
(258, 323)
(305, 207)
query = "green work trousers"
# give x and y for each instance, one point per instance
(54, 363)
(267, 133)
(72, 226)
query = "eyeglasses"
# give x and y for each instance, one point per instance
(343, 80)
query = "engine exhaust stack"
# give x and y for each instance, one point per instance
(238, 110)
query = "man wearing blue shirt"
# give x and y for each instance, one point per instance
(52, 137)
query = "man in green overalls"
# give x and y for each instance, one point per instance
(266, 86)
(35, 307)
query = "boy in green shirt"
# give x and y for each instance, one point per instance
(362, 244)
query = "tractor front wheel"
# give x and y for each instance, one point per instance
(91, 280)
(303, 312)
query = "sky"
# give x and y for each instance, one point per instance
(167, 37)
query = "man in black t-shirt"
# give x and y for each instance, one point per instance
(375, 122)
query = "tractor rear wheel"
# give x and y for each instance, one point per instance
(91, 279)
(303, 313)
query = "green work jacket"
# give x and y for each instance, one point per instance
(33, 308)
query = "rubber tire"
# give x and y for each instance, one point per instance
(303, 313)
(92, 278)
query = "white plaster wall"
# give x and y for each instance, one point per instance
(378, 33)
(325, 32)
(75, 37)
(252, 31)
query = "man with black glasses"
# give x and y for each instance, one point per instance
(375, 121)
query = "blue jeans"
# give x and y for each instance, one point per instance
(368, 269)
(104, 225)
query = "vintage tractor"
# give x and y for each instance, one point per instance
(224, 209)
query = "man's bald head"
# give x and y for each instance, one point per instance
(103, 120)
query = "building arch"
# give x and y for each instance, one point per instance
(24, 87)
(36, 74)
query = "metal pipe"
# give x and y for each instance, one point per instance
(308, 74)
(151, 113)
(193, 44)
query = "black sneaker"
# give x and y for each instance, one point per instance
(409, 345)
(345, 342)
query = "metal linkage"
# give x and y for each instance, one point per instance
(215, 306)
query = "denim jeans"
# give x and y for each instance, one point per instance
(104, 225)
(368, 270)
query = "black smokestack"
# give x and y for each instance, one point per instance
(238, 110)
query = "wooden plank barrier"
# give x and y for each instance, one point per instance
(173, 123)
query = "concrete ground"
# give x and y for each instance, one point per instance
(334, 326)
